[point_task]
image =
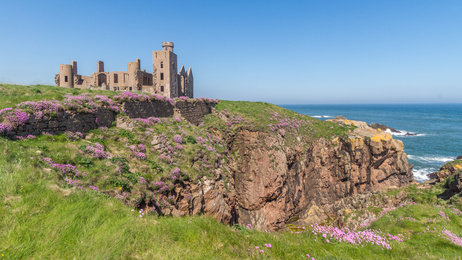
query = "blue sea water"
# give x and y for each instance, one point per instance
(438, 128)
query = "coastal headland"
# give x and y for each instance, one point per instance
(160, 163)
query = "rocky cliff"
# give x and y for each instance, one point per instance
(272, 184)
(450, 175)
(243, 163)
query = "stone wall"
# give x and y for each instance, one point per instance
(145, 109)
(192, 111)
(65, 121)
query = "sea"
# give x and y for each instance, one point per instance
(437, 128)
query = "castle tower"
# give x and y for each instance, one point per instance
(182, 82)
(66, 76)
(133, 69)
(167, 46)
(165, 71)
(189, 84)
(74, 67)
(99, 66)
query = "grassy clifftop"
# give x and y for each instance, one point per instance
(10, 95)
(47, 212)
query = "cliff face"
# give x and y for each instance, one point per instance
(273, 184)
(241, 162)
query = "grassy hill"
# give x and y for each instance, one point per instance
(42, 215)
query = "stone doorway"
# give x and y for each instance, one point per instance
(102, 79)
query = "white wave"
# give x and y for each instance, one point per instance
(403, 133)
(322, 116)
(430, 159)
(420, 175)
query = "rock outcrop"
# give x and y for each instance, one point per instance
(447, 170)
(273, 184)
(382, 127)
(390, 129)
(451, 175)
(453, 185)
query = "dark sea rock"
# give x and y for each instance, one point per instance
(383, 127)
(391, 129)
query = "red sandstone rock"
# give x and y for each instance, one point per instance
(273, 184)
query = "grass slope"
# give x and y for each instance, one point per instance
(10, 94)
(42, 217)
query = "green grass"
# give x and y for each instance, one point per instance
(454, 163)
(259, 116)
(42, 218)
(10, 94)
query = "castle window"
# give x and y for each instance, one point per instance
(161, 64)
(161, 76)
(130, 88)
(65, 79)
(161, 88)
(116, 78)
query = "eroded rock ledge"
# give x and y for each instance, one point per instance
(272, 184)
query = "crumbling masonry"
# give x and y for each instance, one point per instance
(164, 80)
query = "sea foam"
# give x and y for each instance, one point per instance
(322, 116)
(403, 133)
(420, 175)
(430, 159)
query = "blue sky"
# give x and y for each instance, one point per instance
(285, 52)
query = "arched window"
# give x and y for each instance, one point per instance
(161, 88)
(161, 64)
(116, 78)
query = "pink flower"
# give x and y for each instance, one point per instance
(451, 237)
(96, 150)
(178, 139)
(261, 251)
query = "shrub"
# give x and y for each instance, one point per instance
(191, 140)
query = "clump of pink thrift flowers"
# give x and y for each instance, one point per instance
(96, 150)
(451, 237)
(178, 139)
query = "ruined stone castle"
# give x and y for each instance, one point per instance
(164, 80)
